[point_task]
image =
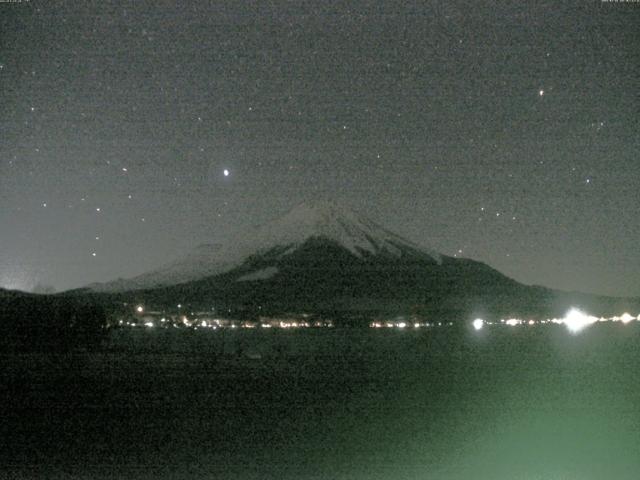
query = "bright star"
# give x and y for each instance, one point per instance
(225, 172)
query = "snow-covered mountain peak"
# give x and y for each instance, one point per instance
(323, 220)
(337, 223)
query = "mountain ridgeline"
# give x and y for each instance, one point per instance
(325, 259)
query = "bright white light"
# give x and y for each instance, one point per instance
(148, 324)
(225, 172)
(478, 323)
(402, 325)
(512, 322)
(541, 92)
(139, 309)
(576, 320)
(626, 318)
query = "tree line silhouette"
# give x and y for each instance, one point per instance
(49, 323)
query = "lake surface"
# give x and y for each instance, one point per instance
(501, 403)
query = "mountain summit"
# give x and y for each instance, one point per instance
(325, 221)
(330, 221)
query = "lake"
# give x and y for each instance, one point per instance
(501, 403)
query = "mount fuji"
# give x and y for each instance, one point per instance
(325, 221)
(327, 258)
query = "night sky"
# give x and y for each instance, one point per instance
(506, 132)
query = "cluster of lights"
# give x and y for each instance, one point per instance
(214, 325)
(403, 324)
(149, 320)
(575, 320)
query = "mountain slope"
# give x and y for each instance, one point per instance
(355, 233)
(322, 275)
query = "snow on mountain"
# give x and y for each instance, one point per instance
(328, 220)
(325, 220)
(262, 274)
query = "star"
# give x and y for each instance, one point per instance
(226, 172)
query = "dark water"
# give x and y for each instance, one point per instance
(509, 403)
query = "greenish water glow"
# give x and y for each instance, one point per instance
(515, 403)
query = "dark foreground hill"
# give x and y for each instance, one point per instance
(43, 323)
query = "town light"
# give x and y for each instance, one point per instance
(576, 320)
(478, 323)
(626, 318)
